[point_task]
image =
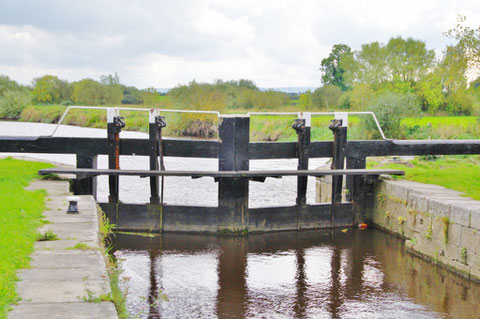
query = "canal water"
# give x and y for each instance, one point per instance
(310, 274)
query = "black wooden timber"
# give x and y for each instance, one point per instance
(221, 174)
(113, 137)
(303, 146)
(338, 161)
(233, 156)
(195, 219)
(96, 145)
(272, 150)
(86, 186)
(357, 188)
(155, 149)
(257, 150)
(411, 147)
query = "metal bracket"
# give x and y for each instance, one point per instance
(335, 124)
(160, 121)
(299, 125)
(118, 123)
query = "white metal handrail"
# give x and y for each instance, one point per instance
(322, 113)
(299, 114)
(125, 109)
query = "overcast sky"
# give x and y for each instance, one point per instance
(163, 43)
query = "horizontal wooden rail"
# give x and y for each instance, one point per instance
(86, 172)
(256, 150)
(99, 146)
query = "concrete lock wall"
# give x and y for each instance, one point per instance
(437, 223)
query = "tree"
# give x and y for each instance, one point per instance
(360, 96)
(430, 91)
(6, 84)
(453, 68)
(368, 66)
(12, 103)
(399, 61)
(91, 92)
(332, 71)
(326, 96)
(150, 96)
(131, 95)
(50, 89)
(199, 96)
(408, 60)
(468, 39)
(305, 100)
(390, 108)
(110, 79)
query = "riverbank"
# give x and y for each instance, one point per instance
(20, 216)
(63, 264)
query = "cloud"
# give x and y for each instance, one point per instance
(163, 43)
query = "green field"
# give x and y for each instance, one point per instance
(460, 172)
(438, 121)
(20, 216)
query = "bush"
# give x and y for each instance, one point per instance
(389, 109)
(460, 102)
(12, 104)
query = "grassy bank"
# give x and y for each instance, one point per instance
(460, 172)
(20, 216)
(263, 128)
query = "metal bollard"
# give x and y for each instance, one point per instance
(72, 204)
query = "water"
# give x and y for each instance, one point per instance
(314, 274)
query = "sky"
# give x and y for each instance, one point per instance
(157, 43)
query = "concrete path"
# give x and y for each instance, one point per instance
(60, 277)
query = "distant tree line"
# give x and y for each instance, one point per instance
(221, 94)
(404, 74)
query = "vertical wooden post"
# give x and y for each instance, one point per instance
(356, 187)
(338, 162)
(156, 123)
(303, 128)
(86, 186)
(115, 123)
(233, 156)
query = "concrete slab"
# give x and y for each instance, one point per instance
(62, 274)
(60, 291)
(74, 310)
(73, 259)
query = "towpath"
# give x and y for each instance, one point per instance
(62, 275)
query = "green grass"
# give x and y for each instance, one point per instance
(49, 235)
(20, 216)
(460, 172)
(436, 121)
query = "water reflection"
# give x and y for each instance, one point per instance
(315, 274)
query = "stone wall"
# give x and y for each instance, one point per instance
(437, 223)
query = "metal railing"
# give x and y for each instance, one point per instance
(301, 114)
(118, 109)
